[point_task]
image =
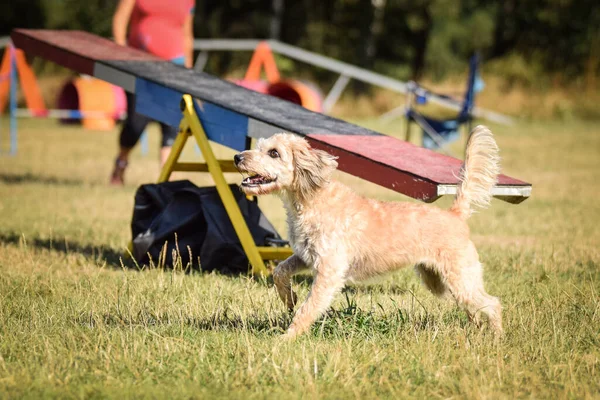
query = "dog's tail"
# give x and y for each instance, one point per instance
(478, 174)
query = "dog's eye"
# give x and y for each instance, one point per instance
(273, 153)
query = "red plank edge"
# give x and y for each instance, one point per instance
(403, 167)
(76, 50)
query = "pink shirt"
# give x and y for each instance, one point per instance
(156, 26)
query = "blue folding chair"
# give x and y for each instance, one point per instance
(437, 133)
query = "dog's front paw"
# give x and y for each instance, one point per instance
(289, 336)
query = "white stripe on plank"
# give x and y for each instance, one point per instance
(115, 76)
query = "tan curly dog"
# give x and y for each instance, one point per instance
(341, 236)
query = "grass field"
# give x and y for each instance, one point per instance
(75, 323)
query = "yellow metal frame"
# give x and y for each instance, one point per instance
(189, 126)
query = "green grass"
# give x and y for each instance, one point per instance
(75, 324)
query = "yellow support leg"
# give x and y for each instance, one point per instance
(176, 149)
(214, 167)
(275, 253)
(191, 126)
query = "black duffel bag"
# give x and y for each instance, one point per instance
(197, 218)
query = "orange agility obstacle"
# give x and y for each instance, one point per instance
(292, 90)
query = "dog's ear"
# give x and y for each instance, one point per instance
(313, 168)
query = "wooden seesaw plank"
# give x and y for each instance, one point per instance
(392, 163)
(230, 113)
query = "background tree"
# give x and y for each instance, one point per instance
(556, 40)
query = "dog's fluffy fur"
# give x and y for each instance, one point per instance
(342, 236)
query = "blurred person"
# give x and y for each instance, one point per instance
(165, 29)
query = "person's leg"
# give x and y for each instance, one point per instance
(169, 133)
(132, 129)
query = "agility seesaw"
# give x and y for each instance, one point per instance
(220, 111)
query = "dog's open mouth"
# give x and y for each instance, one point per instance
(256, 180)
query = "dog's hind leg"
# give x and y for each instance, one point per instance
(329, 280)
(466, 285)
(282, 277)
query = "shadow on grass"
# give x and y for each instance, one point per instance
(258, 323)
(219, 321)
(108, 255)
(348, 319)
(102, 255)
(341, 322)
(17, 179)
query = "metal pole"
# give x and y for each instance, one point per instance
(349, 70)
(335, 93)
(436, 137)
(144, 141)
(201, 61)
(13, 100)
(410, 97)
(392, 114)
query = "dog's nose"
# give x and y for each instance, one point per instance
(238, 158)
